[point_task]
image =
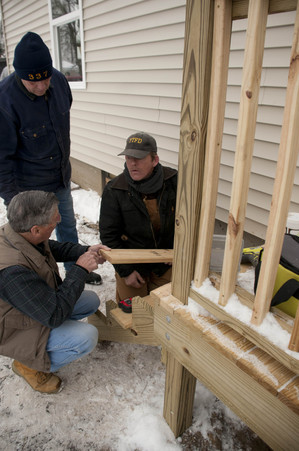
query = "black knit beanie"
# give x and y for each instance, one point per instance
(32, 59)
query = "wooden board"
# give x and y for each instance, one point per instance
(137, 328)
(122, 318)
(138, 255)
(283, 185)
(249, 332)
(179, 383)
(253, 61)
(261, 391)
(240, 7)
(217, 102)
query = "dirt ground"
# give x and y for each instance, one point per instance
(243, 440)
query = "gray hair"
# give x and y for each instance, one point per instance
(31, 208)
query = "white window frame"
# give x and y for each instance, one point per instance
(62, 20)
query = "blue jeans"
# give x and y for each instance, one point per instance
(74, 339)
(66, 230)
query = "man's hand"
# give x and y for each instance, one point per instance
(92, 258)
(134, 280)
(97, 249)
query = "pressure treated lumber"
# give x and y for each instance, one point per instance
(193, 129)
(294, 340)
(260, 390)
(176, 374)
(285, 321)
(138, 255)
(289, 361)
(240, 7)
(111, 327)
(286, 166)
(253, 59)
(125, 320)
(220, 59)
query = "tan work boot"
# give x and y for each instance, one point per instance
(39, 381)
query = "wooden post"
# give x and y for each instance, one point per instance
(253, 58)
(286, 166)
(179, 396)
(194, 118)
(294, 340)
(220, 59)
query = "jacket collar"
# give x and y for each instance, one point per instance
(18, 242)
(24, 90)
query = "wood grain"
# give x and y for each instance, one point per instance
(247, 331)
(193, 132)
(257, 388)
(122, 256)
(240, 7)
(178, 402)
(220, 59)
(253, 59)
(283, 185)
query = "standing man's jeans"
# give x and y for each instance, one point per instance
(66, 230)
(74, 339)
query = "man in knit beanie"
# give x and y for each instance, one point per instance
(32, 60)
(35, 103)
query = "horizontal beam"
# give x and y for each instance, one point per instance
(247, 331)
(240, 7)
(256, 387)
(121, 256)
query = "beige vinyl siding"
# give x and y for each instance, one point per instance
(134, 59)
(22, 16)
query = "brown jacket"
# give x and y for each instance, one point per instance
(21, 337)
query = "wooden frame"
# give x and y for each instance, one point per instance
(255, 378)
(260, 390)
(199, 159)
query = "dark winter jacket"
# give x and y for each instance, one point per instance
(125, 222)
(33, 298)
(35, 137)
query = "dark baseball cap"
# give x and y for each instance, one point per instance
(139, 145)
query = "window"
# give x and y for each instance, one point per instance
(67, 40)
(3, 63)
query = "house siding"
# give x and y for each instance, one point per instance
(134, 59)
(22, 16)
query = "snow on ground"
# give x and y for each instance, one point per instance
(113, 398)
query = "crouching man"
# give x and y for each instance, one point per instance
(39, 312)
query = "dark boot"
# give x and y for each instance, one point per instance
(94, 279)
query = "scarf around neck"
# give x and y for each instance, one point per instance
(147, 186)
